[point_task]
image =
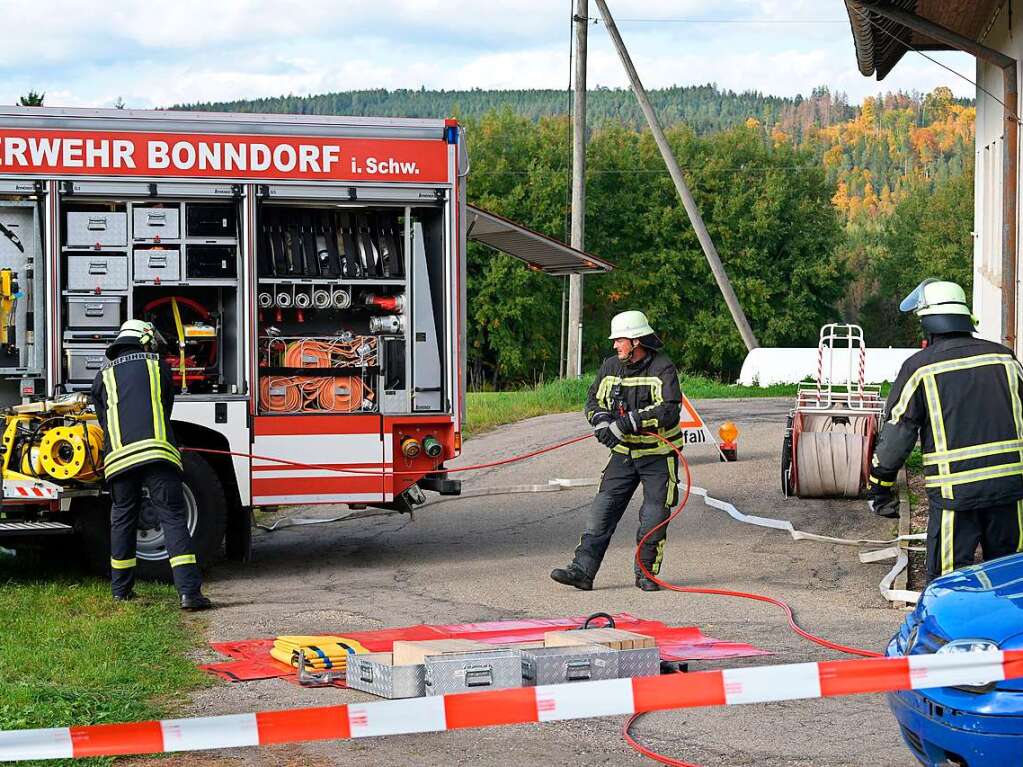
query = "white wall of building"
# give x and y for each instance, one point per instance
(987, 231)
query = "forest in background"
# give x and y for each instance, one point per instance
(820, 210)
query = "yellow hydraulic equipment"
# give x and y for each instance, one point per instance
(8, 293)
(56, 440)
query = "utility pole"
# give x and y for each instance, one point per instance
(574, 367)
(724, 285)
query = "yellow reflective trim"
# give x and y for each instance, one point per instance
(156, 395)
(113, 421)
(656, 566)
(947, 550)
(650, 422)
(973, 451)
(936, 368)
(607, 383)
(672, 483)
(881, 482)
(937, 428)
(152, 454)
(668, 434)
(183, 559)
(1012, 378)
(122, 564)
(662, 450)
(1019, 523)
(143, 444)
(975, 475)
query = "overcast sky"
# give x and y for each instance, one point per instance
(154, 54)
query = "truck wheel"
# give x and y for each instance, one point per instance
(206, 518)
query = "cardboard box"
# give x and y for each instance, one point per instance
(616, 639)
(410, 653)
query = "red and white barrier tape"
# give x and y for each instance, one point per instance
(613, 697)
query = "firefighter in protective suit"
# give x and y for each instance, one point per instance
(133, 395)
(962, 396)
(635, 391)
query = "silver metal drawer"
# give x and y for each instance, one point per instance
(154, 264)
(86, 230)
(86, 312)
(97, 271)
(149, 223)
(83, 362)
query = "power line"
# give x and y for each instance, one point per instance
(727, 21)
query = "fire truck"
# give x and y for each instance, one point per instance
(308, 275)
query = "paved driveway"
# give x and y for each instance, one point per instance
(489, 558)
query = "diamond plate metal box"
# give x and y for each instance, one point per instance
(464, 672)
(645, 661)
(373, 673)
(558, 665)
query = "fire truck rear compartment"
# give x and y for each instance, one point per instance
(174, 262)
(350, 303)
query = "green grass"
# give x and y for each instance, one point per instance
(488, 410)
(70, 655)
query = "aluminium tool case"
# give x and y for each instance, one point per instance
(375, 673)
(557, 665)
(643, 661)
(465, 672)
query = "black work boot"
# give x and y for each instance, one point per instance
(127, 596)
(195, 602)
(642, 582)
(573, 575)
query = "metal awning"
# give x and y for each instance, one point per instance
(540, 252)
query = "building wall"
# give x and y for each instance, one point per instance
(987, 230)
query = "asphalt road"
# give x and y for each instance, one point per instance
(489, 558)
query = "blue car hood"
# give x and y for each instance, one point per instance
(980, 602)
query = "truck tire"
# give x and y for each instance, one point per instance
(206, 517)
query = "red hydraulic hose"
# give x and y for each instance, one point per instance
(661, 758)
(374, 472)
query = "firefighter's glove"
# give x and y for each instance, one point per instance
(627, 424)
(601, 416)
(882, 498)
(607, 434)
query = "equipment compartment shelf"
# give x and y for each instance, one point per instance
(326, 372)
(326, 281)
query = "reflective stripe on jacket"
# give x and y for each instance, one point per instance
(134, 395)
(962, 396)
(650, 389)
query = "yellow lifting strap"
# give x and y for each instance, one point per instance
(7, 291)
(181, 343)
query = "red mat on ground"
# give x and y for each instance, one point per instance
(250, 659)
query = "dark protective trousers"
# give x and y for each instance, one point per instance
(163, 481)
(659, 476)
(953, 536)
